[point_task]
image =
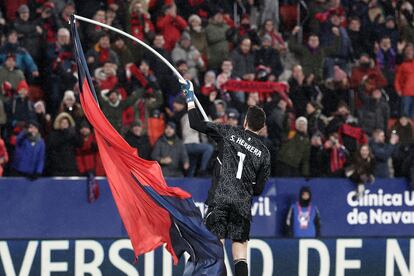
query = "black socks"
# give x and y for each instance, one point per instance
(240, 267)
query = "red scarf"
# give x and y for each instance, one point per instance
(103, 55)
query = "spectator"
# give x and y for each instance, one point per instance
(93, 33)
(139, 24)
(316, 121)
(366, 68)
(361, 169)
(137, 138)
(60, 70)
(123, 51)
(335, 156)
(386, 58)
(10, 76)
(382, 152)
(331, 31)
(335, 90)
(70, 106)
(233, 118)
(217, 45)
(112, 105)
(312, 56)
(404, 129)
(269, 58)
(64, 16)
(197, 34)
(293, 157)
(277, 123)
(101, 53)
(246, 30)
(29, 154)
(243, 60)
(277, 41)
(300, 90)
(44, 119)
(198, 151)
(316, 160)
(4, 156)
(106, 76)
(61, 147)
(20, 108)
(87, 156)
(185, 51)
(29, 32)
(24, 60)
(49, 22)
(375, 111)
(303, 220)
(360, 45)
(404, 82)
(171, 25)
(170, 152)
(161, 71)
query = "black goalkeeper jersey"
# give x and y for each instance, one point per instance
(242, 166)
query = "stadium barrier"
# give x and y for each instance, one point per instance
(47, 226)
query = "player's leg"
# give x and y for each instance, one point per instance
(239, 231)
(239, 250)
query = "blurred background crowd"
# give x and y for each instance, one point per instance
(342, 73)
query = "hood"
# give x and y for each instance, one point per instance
(302, 202)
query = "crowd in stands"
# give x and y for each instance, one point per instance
(341, 101)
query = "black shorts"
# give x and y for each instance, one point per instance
(227, 224)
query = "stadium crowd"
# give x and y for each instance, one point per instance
(341, 103)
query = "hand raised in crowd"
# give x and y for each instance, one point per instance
(166, 160)
(336, 31)
(296, 30)
(401, 45)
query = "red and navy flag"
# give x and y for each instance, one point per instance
(153, 213)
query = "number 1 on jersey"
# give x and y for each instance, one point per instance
(240, 166)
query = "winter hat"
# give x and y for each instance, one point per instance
(48, 5)
(185, 36)
(339, 74)
(266, 37)
(22, 85)
(232, 113)
(40, 104)
(136, 123)
(33, 123)
(299, 120)
(194, 17)
(69, 94)
(23, 8)
(172, 125)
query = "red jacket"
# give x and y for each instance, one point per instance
(404, 78)
(139, 23)
(88, 159)
(171, 28)
(374, 75)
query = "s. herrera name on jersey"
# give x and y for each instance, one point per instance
(246, 145)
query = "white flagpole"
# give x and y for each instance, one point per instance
(180, 78)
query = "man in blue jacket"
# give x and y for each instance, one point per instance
(29, 155)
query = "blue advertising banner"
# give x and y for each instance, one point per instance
(51, 208)
(266, 257)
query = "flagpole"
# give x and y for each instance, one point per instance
(180, 78)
